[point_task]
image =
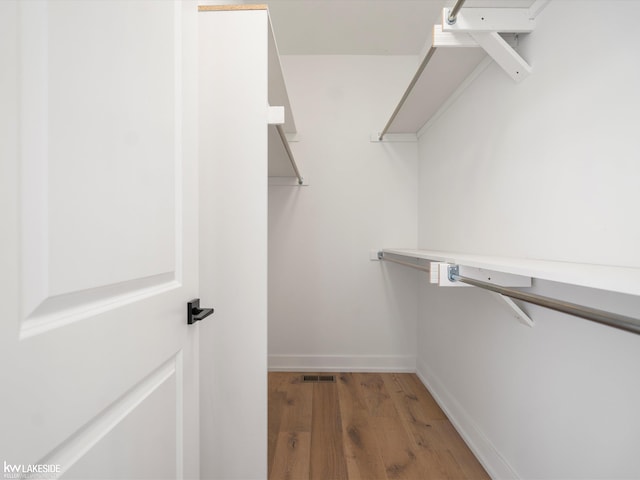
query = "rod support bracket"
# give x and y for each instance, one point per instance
(453, 270)
(450, 20)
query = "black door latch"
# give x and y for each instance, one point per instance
(195, 313)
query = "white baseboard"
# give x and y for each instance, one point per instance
(342, 363)
(488, 455)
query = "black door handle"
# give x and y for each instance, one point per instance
(195, 313)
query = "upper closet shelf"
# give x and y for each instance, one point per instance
(282, 163)
(431, 88)
(280, 116)
(459, 44)
(616, 279)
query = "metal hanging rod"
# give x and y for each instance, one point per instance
(424, 268)
(414, 80)
(285, 142)
(453, 14)
(610, 319)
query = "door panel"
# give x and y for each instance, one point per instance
(141, 416)
(112, 127)
(99, 139)
(99, 247)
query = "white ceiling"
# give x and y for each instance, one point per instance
(361, 27)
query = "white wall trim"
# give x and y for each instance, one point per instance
(342, 363)
(486, 453)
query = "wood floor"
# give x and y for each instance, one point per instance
(365, 426)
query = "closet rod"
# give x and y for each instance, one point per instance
(414, 80)
(610, 319)
(453, 14)
(406, 264)
(285, 142)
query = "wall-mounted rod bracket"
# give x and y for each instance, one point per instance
(452, 17)
(483, 26)
(610, 319)
(452, 271)
(447, 272)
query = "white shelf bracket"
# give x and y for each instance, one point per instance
(503, 54)
(516, 311)
(482, 274)
(481, 26)
(440, 275)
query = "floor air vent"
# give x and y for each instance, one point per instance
(319, 378)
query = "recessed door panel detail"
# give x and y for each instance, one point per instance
(117, 440)
(101, 160)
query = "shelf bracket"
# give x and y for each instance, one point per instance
(516, 311)
(503, 54)
(443, 274)
(285, 144)
(480, 26)
(445, 270)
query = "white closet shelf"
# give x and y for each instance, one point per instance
(452, 56)
(612, 278)
(446, 71)
(281, 160)
(277, 94)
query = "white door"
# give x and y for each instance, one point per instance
(98, 231)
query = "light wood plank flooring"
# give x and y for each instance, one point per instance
(365, 426)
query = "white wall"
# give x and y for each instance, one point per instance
(559, 149)
(330, 307)
(543, 169)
